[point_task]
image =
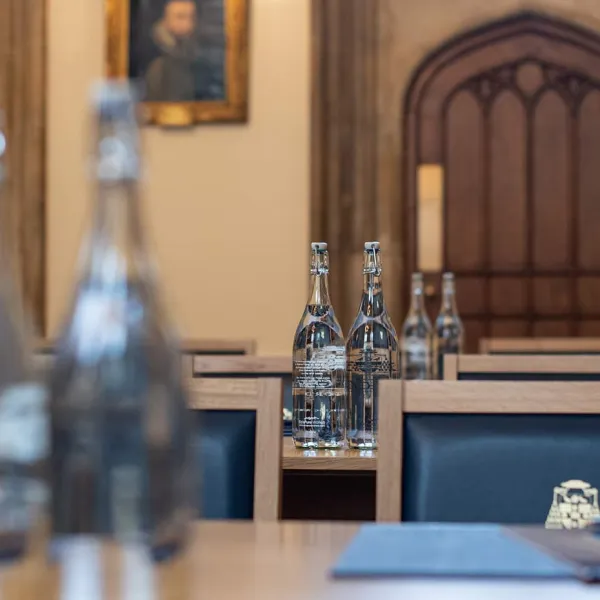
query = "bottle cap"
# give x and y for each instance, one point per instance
(417, 277)
(114, 101)
(372, 246)
(448, 276)
(318, 246)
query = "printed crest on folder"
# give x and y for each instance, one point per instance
(574, 505)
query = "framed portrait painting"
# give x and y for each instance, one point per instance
(190, 57)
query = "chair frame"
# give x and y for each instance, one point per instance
(397, 398)
(188, 346)
(236, 365)
(455, 364)
(265, 397)
(538, 345)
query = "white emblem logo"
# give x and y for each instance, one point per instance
(574, 505)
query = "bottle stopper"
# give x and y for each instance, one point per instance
(372, 246)
(114, 101)
(318, 246)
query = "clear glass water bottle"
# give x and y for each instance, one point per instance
(449, 332)
(120, 452)
(416, 336)
(23, 415)
(319, 366)
(372, 354)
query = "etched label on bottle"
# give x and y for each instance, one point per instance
(316, 372)
(373, 364)
(374, 360)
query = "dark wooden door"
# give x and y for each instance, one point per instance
(511, 113)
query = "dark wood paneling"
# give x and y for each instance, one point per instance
(552, 295)
(522, 237)
(508, 183)
(508, 296)
(589, 295)
(551, 329)
(551, 183)
(22, 98)
(463, 246)
(521, 86)
(509, 328)
(475, 329)
(589, 181)
(589, 328)
(470, 295)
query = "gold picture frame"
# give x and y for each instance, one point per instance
(234, 106)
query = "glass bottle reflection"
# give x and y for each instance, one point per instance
(449, 332)
(120, 461)
(416, 335)
(319, 368)
(372, 354)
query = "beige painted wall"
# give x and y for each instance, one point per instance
(226, 206)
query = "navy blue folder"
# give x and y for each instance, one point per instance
(466, 550)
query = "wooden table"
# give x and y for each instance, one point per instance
(271, 561)
(326, 460)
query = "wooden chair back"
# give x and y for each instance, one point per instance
(249, 366)
(265, 398)
(404, 400)
(528, 367)
(190, 349)
(566, 345)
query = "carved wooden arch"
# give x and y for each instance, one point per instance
(527, 60)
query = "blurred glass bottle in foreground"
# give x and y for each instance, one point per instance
(416, 335)
(319, 369)
(120, 462)
(372, 351)
(449, 333)
(23, 417)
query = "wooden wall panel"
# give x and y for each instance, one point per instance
(551, 198)
(508, 183)
(22, 99)
(464, 246)
(589, 182)
(344, 208)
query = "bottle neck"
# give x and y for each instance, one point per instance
(319, 279)
(115, 253)
(372, 303)
(417, 301)
(319, 295)
(448, 299)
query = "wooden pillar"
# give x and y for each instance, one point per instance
(22, 100)
(344, 207)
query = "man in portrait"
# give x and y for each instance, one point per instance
(171, 76)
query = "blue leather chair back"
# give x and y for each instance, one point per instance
(224, 452)
(501, 468)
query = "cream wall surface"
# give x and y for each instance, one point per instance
(226, 206)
